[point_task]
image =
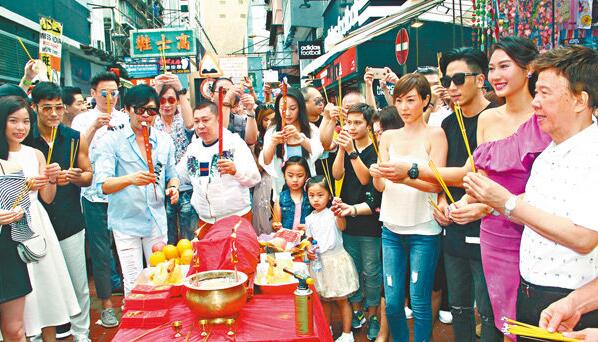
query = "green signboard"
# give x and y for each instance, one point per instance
(167, 42)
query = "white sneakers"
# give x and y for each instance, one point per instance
(345, 337)
(445, 317)
(408, 313)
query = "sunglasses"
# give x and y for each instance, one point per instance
(151, 111)
(59, 109)
(170, 100)
(458, 79)
(318, 101)
(113, 93)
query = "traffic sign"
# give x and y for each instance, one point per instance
(402, 46)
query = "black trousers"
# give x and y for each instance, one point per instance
(532, 299)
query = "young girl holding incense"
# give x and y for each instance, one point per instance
(292, 207)
(291, 135)
(337, 279)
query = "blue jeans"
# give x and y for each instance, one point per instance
(365, 252)
(185, 214)
(422, 251)
(466, 284)
(100, 246)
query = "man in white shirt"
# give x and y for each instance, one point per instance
(220, 183)
(94, 125)
(559, 250)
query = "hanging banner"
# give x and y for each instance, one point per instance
(50, 47)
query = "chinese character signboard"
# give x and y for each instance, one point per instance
(50, 47)
(152, 66)
(169, 42)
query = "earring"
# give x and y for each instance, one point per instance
(529, 75)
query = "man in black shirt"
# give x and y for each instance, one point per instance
(361, 237)
(461, 243)
(70, 152)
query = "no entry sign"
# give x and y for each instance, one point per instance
(402, 46)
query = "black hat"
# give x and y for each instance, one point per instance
(12, 90)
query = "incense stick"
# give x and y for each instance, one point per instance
(163, 58)
(23, 193)
(438, 58)
(149, 332)
(74, 148)
(440, 180)
(325, 93)
(24, 48)
(433, 203)
(51, 145)
(326, 174)
(528, 330)
(339, 101)
(148, 151)
(459, 115)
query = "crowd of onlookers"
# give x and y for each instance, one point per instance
(475, 182)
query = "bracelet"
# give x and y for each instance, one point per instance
(354, 211)
(251, 116)
(226, 104)
(51, 182)
(26, 82)
(173, 186)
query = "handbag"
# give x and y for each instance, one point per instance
(32, 250)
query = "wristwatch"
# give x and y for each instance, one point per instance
(353, 155)
(354, 212)
(413, 172)
(183, 91)
(510, 205)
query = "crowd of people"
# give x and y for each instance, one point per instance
(475, 182)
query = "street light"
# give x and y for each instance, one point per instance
(417, 24)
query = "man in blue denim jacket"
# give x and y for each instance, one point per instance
(136, 213)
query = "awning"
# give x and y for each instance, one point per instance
(371, 30)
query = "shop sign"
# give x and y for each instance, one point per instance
(152, 66)
(342, 66)
(311, 49)
(50, 47)
(167, 42)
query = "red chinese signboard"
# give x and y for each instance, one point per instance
(342, 66)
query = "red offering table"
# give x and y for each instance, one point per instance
(264, 318)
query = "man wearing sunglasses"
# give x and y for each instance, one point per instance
(65, 210)
(314, 103)
(94, 125)
(136, 212)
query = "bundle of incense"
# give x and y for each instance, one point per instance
(51, 144)
(163, 60)
(327, 174)
(148, 151)
(438, 58)
(283, 107)
(459, 115)
(73, 156)
(220, 121)
(440, 180)
(26, 187)
(374, 142)
(522, 329)
(432, 203)
(24, 48)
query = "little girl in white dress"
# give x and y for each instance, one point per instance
(337, 278)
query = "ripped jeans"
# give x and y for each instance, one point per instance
(423, 252)
(466, 284)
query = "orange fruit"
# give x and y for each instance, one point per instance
(182, 245)
(170, 251)
(156, 258)
(186, 257)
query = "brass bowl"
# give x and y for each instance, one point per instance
(219, 300)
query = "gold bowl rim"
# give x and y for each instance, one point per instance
(214, 274)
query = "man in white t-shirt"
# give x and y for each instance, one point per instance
(559, 250)
(94, 125)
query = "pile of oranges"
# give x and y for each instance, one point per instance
(182, 253)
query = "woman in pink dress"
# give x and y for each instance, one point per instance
(509, 140)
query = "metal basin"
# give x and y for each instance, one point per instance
(216, 294)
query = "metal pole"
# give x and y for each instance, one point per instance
(461, 17)
(454, 28)
(554, 42)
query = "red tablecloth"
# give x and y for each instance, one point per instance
(264, 318)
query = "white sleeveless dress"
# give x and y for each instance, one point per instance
(53, 299)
